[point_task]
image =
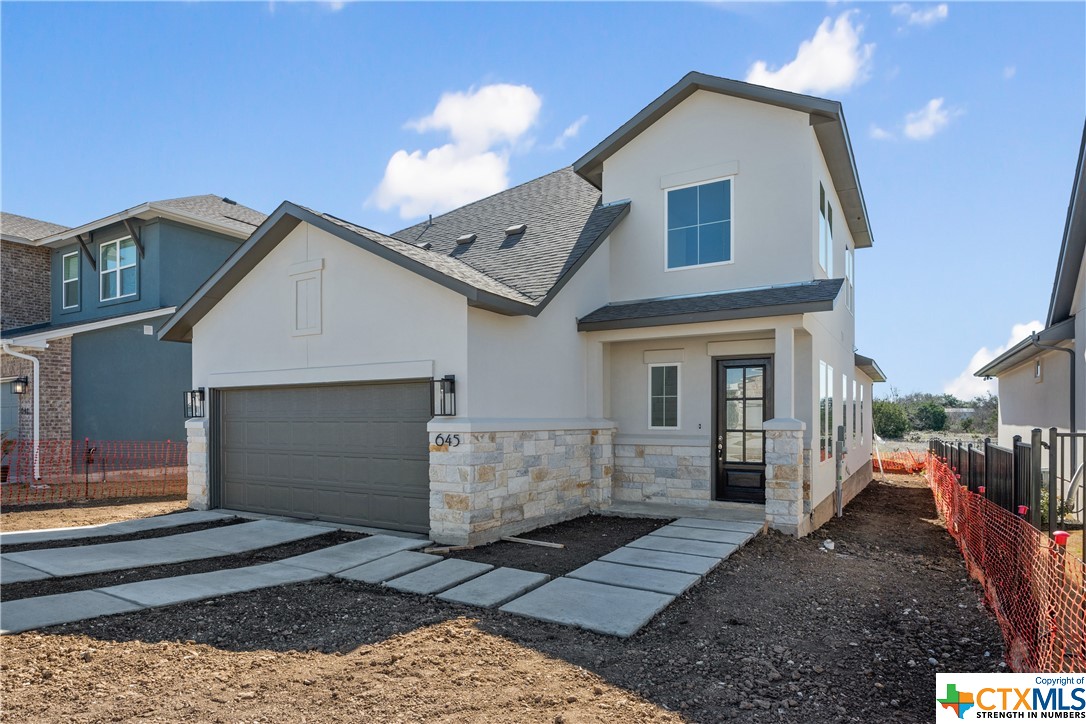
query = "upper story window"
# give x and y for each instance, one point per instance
(118, 265)
(825, 231)
(69, 284)
(850, 285)
(699, 221)
(664, 396)
(825, 411)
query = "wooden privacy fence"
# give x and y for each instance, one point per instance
(56, 471)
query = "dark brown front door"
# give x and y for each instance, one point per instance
(743, 400)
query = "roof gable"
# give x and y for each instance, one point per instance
(826, 116)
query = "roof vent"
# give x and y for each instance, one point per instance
(465, 239)
(229, 201)
(427, 246)
(518, 229)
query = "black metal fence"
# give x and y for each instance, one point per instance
(1026, 478)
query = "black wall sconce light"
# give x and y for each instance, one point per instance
(194, 403)
(18, 385)
(444, 400)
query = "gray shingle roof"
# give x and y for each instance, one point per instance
(26, 228)
(813, 296)
(564, 219)
(217, 209)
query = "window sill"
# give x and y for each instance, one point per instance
(698, 266)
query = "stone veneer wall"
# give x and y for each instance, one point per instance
(198, 463)
(674, 474)
(502, 483)
(787, 477)
(55, 401)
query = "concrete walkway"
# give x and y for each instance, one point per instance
(123, 527)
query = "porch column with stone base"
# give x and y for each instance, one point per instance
(196, 430)
(785, 504)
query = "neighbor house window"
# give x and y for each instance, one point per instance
(850, 285)
(844, 403)
(664, 396)
(118, 260)
(855, 407)
(699, 221)
(861, 414)
(69, 290)
(825, 231)
(1038, 371)
(825, 411)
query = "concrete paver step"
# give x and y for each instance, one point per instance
(689, 547)
(439, 577)
(344, 556)
(393, 566)
(663, 560)
(31, 613)
(197, 586)
(739, 525)
(122, 527)
(495, 588)
(703, 534)
(588, 605)
(646, 579)
(13, 572)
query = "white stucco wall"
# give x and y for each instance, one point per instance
(378, 321)
(773, 212)
(1025, 403)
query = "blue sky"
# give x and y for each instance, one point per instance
(965, 119)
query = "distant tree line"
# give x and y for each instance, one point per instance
(898, 415)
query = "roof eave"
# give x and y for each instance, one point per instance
(1073, 246)
(870, 368)
(722, 315)
(1024, 350)
(145, 212)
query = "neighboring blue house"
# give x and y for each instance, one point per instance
(111, 283)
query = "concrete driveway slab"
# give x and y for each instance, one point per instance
(646, 579)
(248, 536)
(688, 547)
(31, 613)
(122, 527)
(495, 588)
(593, 606)
(439, 577)
(197, 586)
(742, 526)
(699, 565)
(393, 566)
(12, 572)
(351, 555)
(705, 534)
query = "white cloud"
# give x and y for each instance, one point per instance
(881, 134)
(484, 125)
(571, 132)
(833, 61)
(923, 17)
(965, 386)
(1010, 71)
(933, 117)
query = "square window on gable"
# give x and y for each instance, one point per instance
(698, 223)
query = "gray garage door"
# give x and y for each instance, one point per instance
(345, 453)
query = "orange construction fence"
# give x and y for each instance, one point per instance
(1033, 586)
(901, 462)
(56, 471)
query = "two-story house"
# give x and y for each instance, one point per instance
(669, 322)
(83, 304)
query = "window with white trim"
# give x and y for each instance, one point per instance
(699, 224)
(825, 411)
(664, 396)
(825, 231)
(862, 436)
(855, 409)
(118, 269)
(844, 404)
(69, 282)
(850, 285)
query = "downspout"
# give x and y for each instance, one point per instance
(37, 418)
(1038, 345)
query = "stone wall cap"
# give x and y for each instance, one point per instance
(784, 423)
(194, 423)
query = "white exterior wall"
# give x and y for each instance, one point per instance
(1025, 403)
(704, 137)
(378, 322)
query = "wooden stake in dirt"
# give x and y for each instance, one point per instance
(447, 549)
(543, 543)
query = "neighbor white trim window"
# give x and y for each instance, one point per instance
(664, 396)
(844, 403)
(698, 224)
(825, 411)
(862, 436)
(118, 269)
(855, 408)
(69, 280)
(850, 284)
(825, 231)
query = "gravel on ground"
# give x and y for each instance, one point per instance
(87, 512)
(785, 630)
(49, 586)
(585, 539)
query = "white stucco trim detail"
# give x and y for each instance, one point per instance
(409, 370)
(38, 340)
(674, 440)
(699, 175)
(305, 267)
(516, 425)
(664, 356)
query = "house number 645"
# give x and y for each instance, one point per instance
(450, 440)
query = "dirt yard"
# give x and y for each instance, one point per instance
(93, 512)
(784, 631)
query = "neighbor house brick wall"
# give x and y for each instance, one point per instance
(675, 474)
(24, 285)
(501, 483)
(55, 403)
